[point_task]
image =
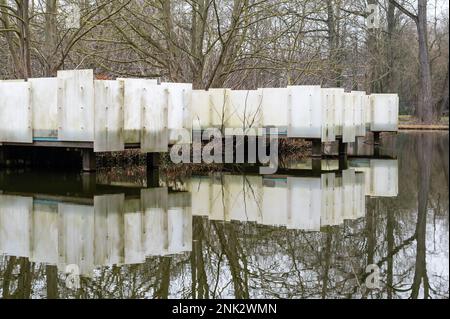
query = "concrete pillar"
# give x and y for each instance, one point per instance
(89, 164)
(316, 148)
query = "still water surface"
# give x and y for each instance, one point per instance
(298, 235)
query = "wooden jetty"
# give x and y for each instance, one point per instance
(73, 110)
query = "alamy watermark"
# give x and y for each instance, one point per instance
(234, 146)
(373, 17)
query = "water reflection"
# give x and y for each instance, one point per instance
(225, 235)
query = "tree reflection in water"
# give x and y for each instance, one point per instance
(406, 236)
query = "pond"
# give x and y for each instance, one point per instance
(378, 228)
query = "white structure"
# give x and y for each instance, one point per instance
(76, 108)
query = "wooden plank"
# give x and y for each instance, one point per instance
(245, 110)
(154, 131)
(275, 107)
(108, 109)
(359, 100)
(178, 109)
(44, 106)
(305, 114)
(349, 127)
(155, 228)
(328, 116)
(15, 224)
(201, 115)
(133, 90)
(76, 105)
(76, 240)
(15, 112)
(304, 203)
(44, 234)
(385, 108)
(109, 236)
(219, 107)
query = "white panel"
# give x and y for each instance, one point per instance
(219, 106)
(275, 107)
(304, 203)
(368, 111)
(44, 234)
(245, 197)
(349, 128)
(179, 108)
(338, 198)
(179, 225)
(15, 112)
(275, 203)
(361, 193)
(76, 105)
(338, 103)
(201, 114)
(154, 205)
(133, 225)
(154, 132)
(384, 178)
(385, 108)
(44, 105)
(108, 116)
(108, 221)
(305, 112)
(76, 236)
(218, 206)
(348, 182)
(328, 116)
(133, 90)
(15, 227)
(245, 110)
(199, 189)
(359, 100)
(328, 214)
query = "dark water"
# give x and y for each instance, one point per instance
(302, 235)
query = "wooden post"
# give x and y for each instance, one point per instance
(317, 148)
(89, 182)
(317, 164)
(153, 163)
(153, 160)
(376, 137)
(2, 156)
(343, 148)
(89, 164)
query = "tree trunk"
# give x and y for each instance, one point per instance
(425, 104)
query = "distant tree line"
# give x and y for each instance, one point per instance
(239, 44)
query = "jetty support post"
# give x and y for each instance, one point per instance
(89, 163)
(2, 156)
(316, 148)
(153, 162)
